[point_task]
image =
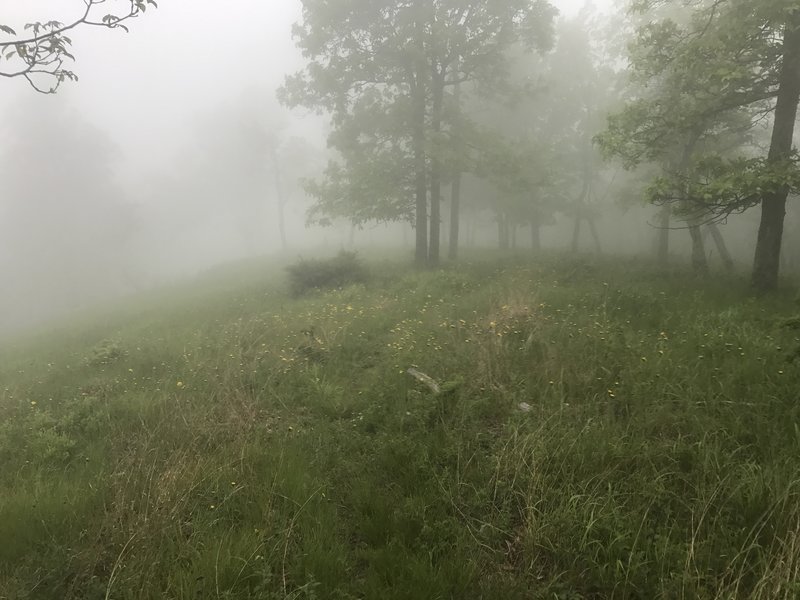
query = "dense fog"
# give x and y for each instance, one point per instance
(172, 153)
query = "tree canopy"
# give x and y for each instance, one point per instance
(382, 70)
(703, 79)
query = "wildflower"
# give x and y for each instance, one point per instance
(179, 385)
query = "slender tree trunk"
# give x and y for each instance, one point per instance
(455, 217)
(512, 234)
(595, 238)
(455, 191)
(279, 195)
(687, 203)
(436, 170)
(471, 229)
(576, 232)
(536, 237)
(579, 205)
(421, 249)
(722, 248)
(699, 259)
(766, 263)
(502, 230)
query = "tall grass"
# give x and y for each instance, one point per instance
(602, 432)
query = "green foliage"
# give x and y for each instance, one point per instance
(322, 274)
(384, 71)
(717, 186)
(702, 78)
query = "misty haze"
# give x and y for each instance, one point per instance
(309, 299)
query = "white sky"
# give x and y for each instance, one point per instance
(147, 90)
(187, 56)
(145, 86)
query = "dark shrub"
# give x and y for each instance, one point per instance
(312, 274)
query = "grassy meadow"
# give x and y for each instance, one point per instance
(602, 430)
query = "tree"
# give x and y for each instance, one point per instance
(711, 72)
(773, 198)
(40, 55)
(541, 158)
(520, 169)
(472, 42)
(264, 136)
(245, 166)
(382, 69)
(580, 83)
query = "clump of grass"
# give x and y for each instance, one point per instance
(321, 274)
(105, 353)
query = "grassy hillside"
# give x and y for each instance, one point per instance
(229, 441)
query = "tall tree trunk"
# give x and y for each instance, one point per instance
(455, 191)
(722, 248)
(688, 204)
(536, 236)
(280, 198)
(421, 249)
(699, 259)
(576, 232)
(512, 234)
(595, 238)
(579, 204)
(455, 217)
(436, 169)
(471, 229)
(766, 263)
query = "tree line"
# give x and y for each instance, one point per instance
(421, 92)
(697, 99)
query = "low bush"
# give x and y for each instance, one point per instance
(316, 274)
(105, 353)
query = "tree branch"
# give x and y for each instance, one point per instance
(44, 53)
